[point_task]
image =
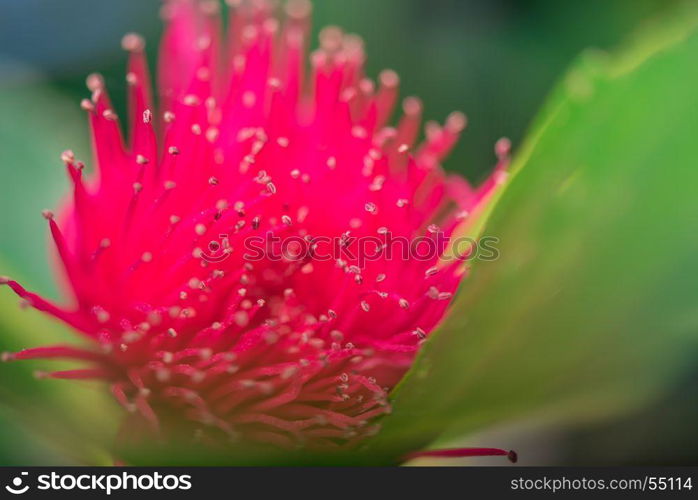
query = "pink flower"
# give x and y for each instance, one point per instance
(187, 328)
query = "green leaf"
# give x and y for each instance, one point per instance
(55, 420)
(591, 306)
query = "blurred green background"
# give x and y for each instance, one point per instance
(496, 60)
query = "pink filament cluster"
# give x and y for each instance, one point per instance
(245, 142)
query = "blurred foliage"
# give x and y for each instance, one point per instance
(47, 421)
(663, 434)
(494, 60)
(36, 124)
(591, 306)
